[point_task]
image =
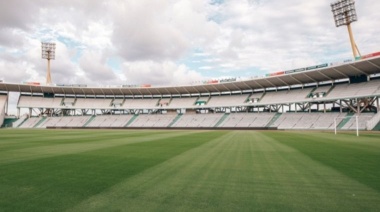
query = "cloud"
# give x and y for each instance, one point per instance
(94, 67)
(161, 30)
(158, 73)
(187, 37)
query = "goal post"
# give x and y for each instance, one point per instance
(336, 123)
(342, 118)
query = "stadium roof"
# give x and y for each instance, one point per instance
(363, 67)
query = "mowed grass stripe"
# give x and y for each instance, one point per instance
(55, 146)
(58, 183)
(25, 138)
(356, 157)
(240, 171)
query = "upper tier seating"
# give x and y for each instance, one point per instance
(355, 90)
(92, 103)
(322, 89)
(339, 91)
(286, 96)
(39, 102)
(227, 101)
(140, 103)
(164, 102)
(183, 102)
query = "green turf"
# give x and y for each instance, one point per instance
(115, 170)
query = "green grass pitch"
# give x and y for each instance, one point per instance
(147, 170)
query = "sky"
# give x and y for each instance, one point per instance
(174, 42)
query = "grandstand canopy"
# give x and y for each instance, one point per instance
(362, 67)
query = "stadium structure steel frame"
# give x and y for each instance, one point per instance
(299, 80)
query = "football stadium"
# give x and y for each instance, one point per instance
(304, 139)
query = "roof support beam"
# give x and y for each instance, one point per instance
(296, 80)
(250, 86)
(270, 83)
(283, 81)
(325, 76)
(373, 64)
(357, 69)
(305, 74)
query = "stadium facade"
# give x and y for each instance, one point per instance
(314, 97)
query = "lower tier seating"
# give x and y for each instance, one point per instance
(289, 121)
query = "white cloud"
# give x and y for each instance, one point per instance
(158, 73)
(227, 38)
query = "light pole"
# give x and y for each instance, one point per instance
(344, 14)
(48, 52)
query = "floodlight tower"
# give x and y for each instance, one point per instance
(48, 52)
(344, 14)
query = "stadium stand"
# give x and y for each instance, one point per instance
(164, 102)
(362, 121)
(69, 102)
(30, 122)
(255, 97)
(286, 96)
(117, 102)
(198, 120)
(227, 101)
(140, 103)
(3, 102)
(110, 121)
(371, 124)
(64, 121)
(185, 102)
(153, 120)
(317, 121)
(202, 100)
(19, 121)
(355, 90)
(255, 120)
(90, 103)
(325, 120)
(309, 98)
(39, 102)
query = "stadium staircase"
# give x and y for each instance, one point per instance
(8, 122)
(345, 120)
(310, 95)
(20, 121)
(275, 117)
(327, 93)
(377, 127)
(132, 120)
(40, 122)
(221, 120)
(375, 120)
(262, 96)
(175, 120)
(89, 121)
(2, 119)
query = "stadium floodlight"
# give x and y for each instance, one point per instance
(48, 52)
(344, 14)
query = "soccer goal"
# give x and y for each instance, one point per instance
(336, 123)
